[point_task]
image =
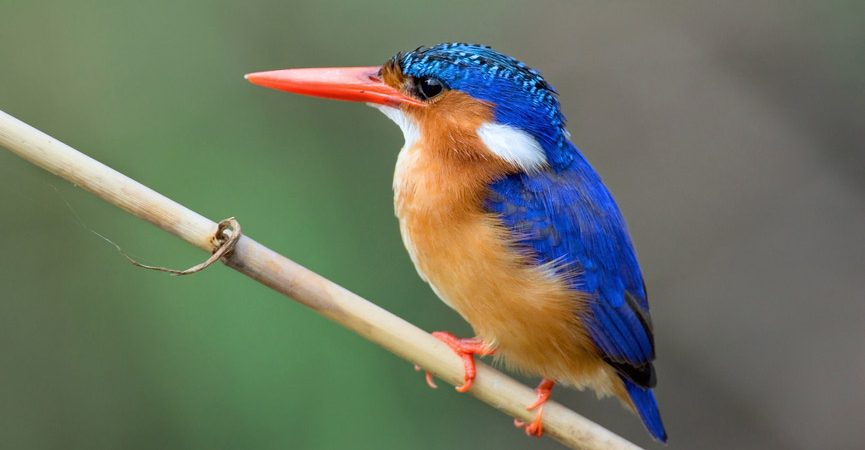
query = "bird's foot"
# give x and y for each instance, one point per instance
(466, 349)
(535, 427)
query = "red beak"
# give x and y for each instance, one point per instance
(356, 84)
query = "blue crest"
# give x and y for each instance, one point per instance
(522, 98)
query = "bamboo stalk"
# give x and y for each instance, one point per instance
(295, 281)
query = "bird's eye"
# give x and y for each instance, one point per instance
(428, 88)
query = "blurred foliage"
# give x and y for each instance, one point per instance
(95, 353)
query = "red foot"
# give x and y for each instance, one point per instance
(535, 427)
(466, 349)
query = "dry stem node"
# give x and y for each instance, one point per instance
(226, 236)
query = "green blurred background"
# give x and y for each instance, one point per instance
(731, 133)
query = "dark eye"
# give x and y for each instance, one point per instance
(428, 88)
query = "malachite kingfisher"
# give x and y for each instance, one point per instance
(506, 220)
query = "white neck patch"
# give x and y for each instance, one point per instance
(410, 129)
(513, 145)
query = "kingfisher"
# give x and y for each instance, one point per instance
(507, 221)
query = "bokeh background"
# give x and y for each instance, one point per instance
(732, 134)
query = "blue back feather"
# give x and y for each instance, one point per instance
(569, 217)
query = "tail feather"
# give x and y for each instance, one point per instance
(646, 406)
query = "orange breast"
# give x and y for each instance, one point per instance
(526, 311)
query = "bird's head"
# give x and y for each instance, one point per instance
(465, 100)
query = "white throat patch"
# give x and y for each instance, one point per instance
(410, 129)
(513, 145)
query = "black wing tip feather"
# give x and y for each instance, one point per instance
(643, 316)
(643, 376)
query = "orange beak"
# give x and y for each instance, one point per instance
(355, 84)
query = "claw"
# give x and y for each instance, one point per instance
(536, 427)
(429, 379)
(466, 349)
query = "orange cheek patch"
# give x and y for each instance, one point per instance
(450, 122)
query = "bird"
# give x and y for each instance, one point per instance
(506, 220)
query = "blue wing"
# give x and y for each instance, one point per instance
(568, 216)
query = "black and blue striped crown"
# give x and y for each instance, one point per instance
(521, 96)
